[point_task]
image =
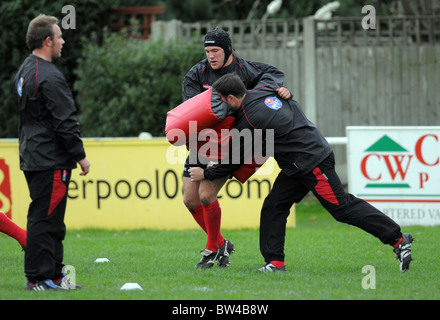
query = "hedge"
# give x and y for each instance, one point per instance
(126, 86)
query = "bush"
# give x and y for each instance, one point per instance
(126, 86)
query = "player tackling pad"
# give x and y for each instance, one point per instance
(199, 124)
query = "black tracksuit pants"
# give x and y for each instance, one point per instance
(325, 184)
(45, 224)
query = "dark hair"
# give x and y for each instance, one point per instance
(228, 84)
(39, 29)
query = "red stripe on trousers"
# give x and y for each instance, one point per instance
(323, 187)
(58, 191)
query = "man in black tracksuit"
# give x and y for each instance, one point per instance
(50, 147)
(307, 164)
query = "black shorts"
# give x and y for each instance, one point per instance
(189, 163)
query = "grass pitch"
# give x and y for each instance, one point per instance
(324, 258)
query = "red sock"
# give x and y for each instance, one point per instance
(198, 215)
(213, 216)
(11, 229)
(220, 240)
(398, 242)
(277, 264)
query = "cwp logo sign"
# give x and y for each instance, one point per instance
(5, 189)
(397, 169)
(397, 161)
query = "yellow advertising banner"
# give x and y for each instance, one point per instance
(135, 184)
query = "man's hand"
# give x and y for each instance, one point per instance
(196, 174)
(284, 93)
(85, 166)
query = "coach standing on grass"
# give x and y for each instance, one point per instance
(50, 147)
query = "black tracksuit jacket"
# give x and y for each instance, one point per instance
(298, 145)
(49, 134)
(201, 76)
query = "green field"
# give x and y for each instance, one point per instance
(324, 260)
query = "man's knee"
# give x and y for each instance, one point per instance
(191, 203)
(191, 198)
(267, 204)
(207, 197)
(209, 190)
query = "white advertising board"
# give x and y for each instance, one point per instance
(397, 170)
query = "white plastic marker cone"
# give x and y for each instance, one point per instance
(131, 286)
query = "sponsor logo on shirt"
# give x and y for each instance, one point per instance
(20, 87)
(273, 103)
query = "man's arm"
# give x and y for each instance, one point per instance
(284, 93)
(190, 84)
(270, 76)
(213, 172)
(59, 101)
(85, 166)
